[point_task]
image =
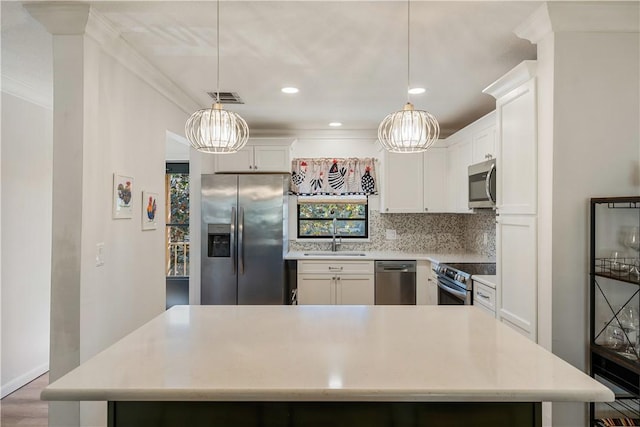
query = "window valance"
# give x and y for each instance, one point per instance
(334, 176)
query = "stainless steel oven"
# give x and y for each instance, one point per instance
(482, 184)
(455, 286)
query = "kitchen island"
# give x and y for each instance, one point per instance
(325, 365)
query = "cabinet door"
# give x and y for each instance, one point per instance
(432, 289)
(484, 145)
(355, 289)
(517, 151)
(435, 180)
(271, 158)
(403, 181)
(460, 157)
(316, 289)
(242, 161)
(517, 269)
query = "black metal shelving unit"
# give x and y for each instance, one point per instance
(614, 298)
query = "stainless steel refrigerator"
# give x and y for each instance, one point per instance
(244, 238)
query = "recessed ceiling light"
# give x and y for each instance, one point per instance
(335, 124)
(290, 90)
(417, 90)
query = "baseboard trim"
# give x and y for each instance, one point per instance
(22, 380)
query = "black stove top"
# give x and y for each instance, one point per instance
(472, 268)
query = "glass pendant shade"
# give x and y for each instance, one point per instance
(408, 130)
(215, 130)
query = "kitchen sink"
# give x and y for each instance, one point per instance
(334, 254)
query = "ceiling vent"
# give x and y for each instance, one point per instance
(227, 97)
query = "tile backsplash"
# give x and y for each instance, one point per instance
(423, 233)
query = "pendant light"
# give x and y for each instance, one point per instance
(408, 130)
(216, 130)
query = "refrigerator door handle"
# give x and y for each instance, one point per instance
(234, 254)
(241, 240)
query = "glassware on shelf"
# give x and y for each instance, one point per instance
(630, 324)
(632, 241)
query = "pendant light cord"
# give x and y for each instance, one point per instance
(218, 51)
(408, 49)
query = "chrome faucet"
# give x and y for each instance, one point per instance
(334, 242)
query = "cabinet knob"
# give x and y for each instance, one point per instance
(387, 209)
(255, 167)
(250, 167)
(426, 209)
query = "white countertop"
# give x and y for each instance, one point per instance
(326, 353)
(487, 279)
(389, 255)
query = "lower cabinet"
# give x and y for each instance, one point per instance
(484, 297)
(516, 252)
(344, 282)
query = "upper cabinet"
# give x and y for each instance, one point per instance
(415, 183)
(516, 163)
(259, 155)
(472, 144)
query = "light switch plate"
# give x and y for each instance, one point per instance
(391, 234)
(99, 254)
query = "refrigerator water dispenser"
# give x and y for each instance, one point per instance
(219, 243)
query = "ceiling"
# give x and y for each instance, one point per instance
(348, 58)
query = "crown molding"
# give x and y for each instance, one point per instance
(26, 92)
(60, 18)
(559, 17)
(79, 19)
(520, 74)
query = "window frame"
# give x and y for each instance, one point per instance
(364, 238)
(176, 168)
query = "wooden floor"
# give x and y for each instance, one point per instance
(23, 407)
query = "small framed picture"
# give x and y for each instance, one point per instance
(122, 196)
(149, 210)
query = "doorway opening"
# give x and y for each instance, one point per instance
(177, 233)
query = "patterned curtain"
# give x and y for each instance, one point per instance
(333, 176)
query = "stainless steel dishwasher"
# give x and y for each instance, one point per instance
(395, 282)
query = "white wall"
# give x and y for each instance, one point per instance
(26, 240)
(25, 186)
(126, 128)
(596, 123)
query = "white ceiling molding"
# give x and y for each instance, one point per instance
(522, 73)
(77, 19)
(24, 91)
(60, 18)
(580, 17)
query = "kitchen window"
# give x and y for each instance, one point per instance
(316, 217)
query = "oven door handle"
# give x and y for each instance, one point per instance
(450, 290)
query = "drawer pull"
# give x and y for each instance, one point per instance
(335, 268)
(481, 295)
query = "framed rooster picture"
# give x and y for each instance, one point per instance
(122, 196)
(149, 210)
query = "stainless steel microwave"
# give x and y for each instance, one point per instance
(482, 184)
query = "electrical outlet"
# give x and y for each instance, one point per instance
(391, 234)
(99, 254)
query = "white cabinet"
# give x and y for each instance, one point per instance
(341, 282)
(432, 288)
(416, 182)
(256, 158)
(403, 188)
(460, 157)
(517, 146)
(484, 297)
(484, 144)
(435, 180)
(516, 168)
(516, 264)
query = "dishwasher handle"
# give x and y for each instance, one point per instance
(396, 266)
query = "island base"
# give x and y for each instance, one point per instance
(322, 414)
